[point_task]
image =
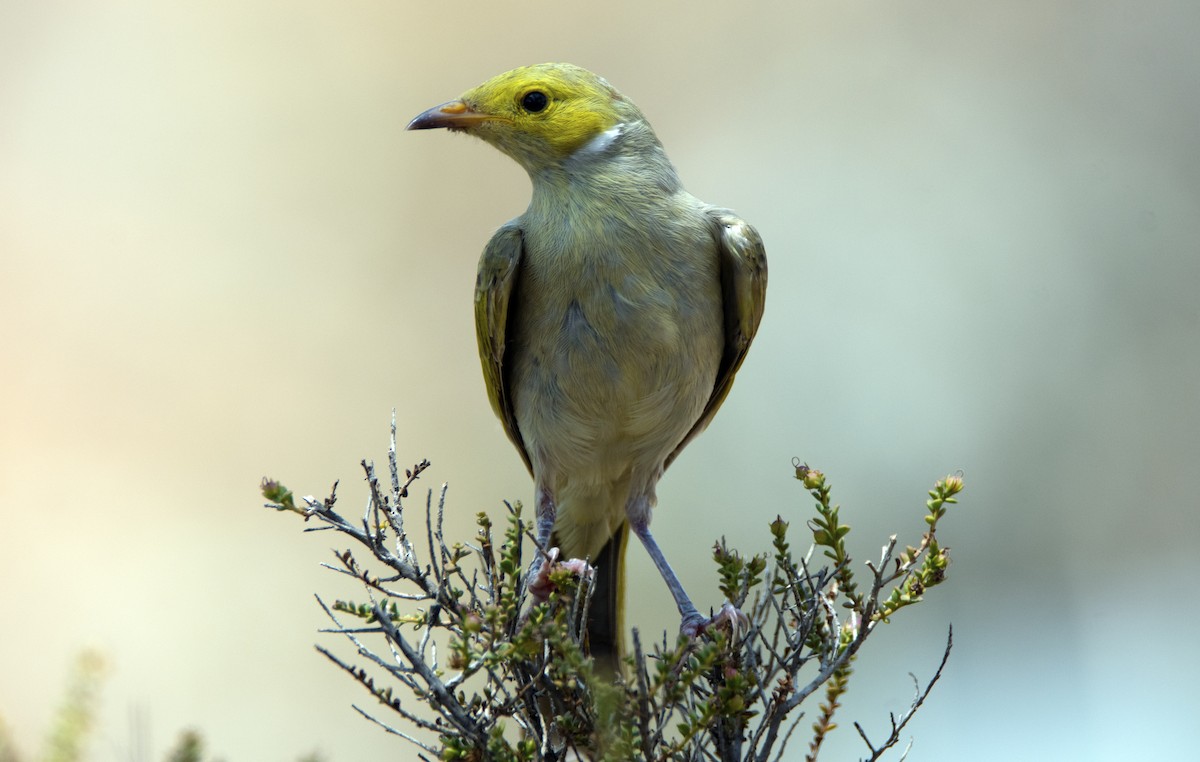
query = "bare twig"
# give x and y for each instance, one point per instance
(482, 657)
(918, 699)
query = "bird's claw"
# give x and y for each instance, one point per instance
(729, 618)
(540, 586)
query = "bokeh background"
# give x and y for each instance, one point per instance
(222, 257)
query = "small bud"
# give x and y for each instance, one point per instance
(812, 478)
(779, 527)
(757, 564)
(277, 493)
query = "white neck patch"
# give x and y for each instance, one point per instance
(601, 142)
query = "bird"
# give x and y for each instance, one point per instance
(611, 317)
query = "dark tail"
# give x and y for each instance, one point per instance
(606, 618)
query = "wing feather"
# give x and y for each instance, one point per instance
(495, 289)
(743, 292)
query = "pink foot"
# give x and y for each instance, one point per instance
(540, 585)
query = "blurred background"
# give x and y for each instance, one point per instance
(221, 257)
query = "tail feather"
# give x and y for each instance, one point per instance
(606, 617)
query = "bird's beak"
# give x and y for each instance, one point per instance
(452, 115)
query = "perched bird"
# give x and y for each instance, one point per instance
(611, 316)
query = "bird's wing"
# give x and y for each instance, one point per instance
(743, 262)
(495, 290)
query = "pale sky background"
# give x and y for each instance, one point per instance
(222, 257)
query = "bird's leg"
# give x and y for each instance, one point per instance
(544, 556)
(546, 513)
(687, 610)
(692, 621)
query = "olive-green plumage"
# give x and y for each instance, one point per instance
(612, 315)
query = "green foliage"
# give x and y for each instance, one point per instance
(78, 711)
(75, 718)
(75, 721)
(189, 748)
(738, 576)
(934, 558)
(512, 679)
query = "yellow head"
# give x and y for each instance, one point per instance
(539, 115)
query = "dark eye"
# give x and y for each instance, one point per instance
(534, 101)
